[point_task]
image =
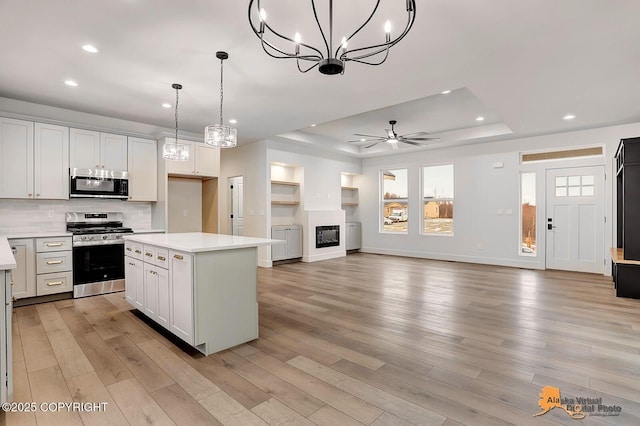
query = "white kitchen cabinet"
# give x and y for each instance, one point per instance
(164, 297)
(292, 234)
(134, 282)
(143, 169)
(16, 158)
(204, 161)
(54, 265)
(353, 235)
(51, 162)
(150, 290)
(6, 369)
(181, 288)
(24, 276)
(95, 150)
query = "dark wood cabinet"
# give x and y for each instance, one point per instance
(626, 259)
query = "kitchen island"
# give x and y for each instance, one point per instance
(7, 262)
(201, 287)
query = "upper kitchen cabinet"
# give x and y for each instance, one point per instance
(204, 161)
(33, 167)
(143, 169)
(95, 150)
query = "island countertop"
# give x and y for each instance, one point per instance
(7, 261)
(195, 242)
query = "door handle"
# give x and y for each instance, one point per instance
(550, 226)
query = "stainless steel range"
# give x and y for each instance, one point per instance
(98, 252)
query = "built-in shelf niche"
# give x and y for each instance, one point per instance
(285, 194)
(349, 196)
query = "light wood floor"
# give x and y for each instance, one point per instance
(365, 339)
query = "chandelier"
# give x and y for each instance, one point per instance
(328, 60)
(173, 150)
(220, 135)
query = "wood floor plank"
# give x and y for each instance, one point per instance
(329, 416)
(147, 372)
(48, 386)
(228, 411)
(137, 405)
(38, 353)
(88, 388)
(103, 359)
(182, 408)
(276, 413)
(21, 387)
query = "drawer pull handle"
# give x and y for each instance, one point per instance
(149, 254)
(138, 251)
(162, 258)
(178, 256)
(14, 250)
(52, 283)
(54, 244)
(54, 262)
(128, 248)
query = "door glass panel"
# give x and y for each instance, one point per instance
(588, 191)
(561, 181)
(574, 180)
(561, 192)
(588, 180)
(574, 191)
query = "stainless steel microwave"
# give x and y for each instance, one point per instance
(96, 183)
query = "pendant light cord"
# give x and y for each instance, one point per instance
(221, 91)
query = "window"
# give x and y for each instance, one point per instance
(395, 204)
(575, 186)
(437, 193)
(528, 215)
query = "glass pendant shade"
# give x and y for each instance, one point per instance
(175, 151)
(221, 136)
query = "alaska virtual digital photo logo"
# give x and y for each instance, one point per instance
(577, 408)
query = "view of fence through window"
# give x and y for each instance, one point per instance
(528, 214)
(395, 204)
(437, 189)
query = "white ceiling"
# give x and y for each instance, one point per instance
(522, 65)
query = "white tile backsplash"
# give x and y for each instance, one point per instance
(20, 216)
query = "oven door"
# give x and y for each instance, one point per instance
(98, 264)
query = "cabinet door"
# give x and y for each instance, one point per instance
(16, 158)
(84, 149)
(51, 162)
(278, 251)
(207, 160)
(294, 242)
(164, 297)
(134, 282)
(181, 285)
(24, 276)
(150, 291)
(182, 167)
(143, 169)
(113, 152)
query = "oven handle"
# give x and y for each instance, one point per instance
(97, 243)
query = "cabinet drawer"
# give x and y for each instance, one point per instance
(59, 282)
(53, 244)
(134, 250)
(149, 253)
(58, 261)
(162, 258)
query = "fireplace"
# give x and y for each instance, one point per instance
(327, 236)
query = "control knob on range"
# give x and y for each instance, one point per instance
(105, 237)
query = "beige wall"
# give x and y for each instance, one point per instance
(185, 208)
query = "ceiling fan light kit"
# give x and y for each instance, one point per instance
(392, 138)
(330, 58)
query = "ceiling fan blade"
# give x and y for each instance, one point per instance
(421, 139)
(410, 135)
(390, 133)
(413, 143)
(373, 144)
(369, 136)
(368, 140)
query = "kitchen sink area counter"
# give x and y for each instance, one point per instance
(201, 287)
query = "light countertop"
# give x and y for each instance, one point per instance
(7, 261)
(148, 231)
(194, 242)
(38, 235)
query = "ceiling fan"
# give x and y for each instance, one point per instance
(392, 138)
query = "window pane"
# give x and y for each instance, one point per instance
(528, 213)
(561, 192)
(574, 180)
(395, 205)
(588, 191)
(574, 191)
(588, 180)
(561, 181)
(437, 196)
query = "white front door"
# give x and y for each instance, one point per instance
(575, 219)
(236, 191)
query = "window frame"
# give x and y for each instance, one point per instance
(521, 215)
(383, 201)
(423, 200)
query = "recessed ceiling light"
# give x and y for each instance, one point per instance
(71, 83)
(445, 92)
(313, 125)
(480, 118)
(233, 121)
(569, 117)
(89, 48)
(166, 105)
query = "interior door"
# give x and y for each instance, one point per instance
(575, 219)
(236, 191)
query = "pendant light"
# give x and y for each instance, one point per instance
(220, 135)
(173, 150)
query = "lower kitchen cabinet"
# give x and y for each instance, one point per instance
(24, 276)
(292, 234)
(134, 282)
(353, 235)
(181, 288)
